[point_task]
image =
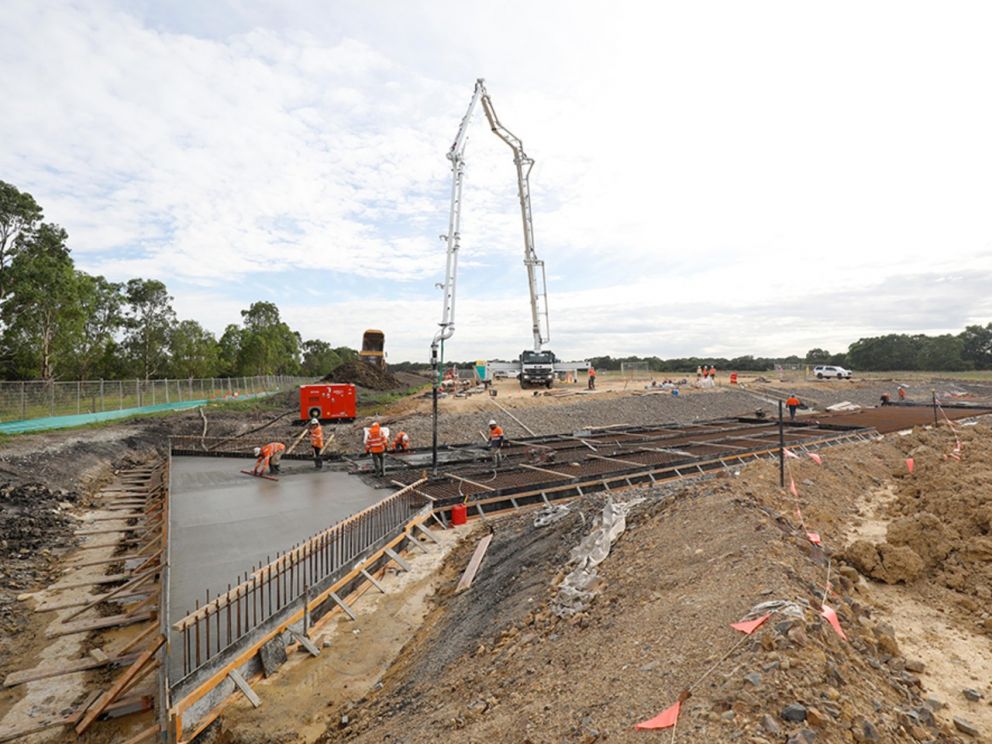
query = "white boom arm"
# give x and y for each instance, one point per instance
(536, 280)
(453, 239)
(538, 285)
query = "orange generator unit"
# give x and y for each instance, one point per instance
(328, 402)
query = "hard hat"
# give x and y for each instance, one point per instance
(314, 422)
(375, 425)
(492, 422)
(258, 451)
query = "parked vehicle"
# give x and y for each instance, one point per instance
(824, 370)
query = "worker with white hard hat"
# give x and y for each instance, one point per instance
(317, 442)
(496, 441)
(268, 457)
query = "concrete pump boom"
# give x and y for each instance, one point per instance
(538, 287)
(536, 280)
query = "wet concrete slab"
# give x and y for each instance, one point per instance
(222, 522)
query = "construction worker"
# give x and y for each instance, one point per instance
(375, 445)
(497, 440)
(792, 404)
(317, 442)
(712, 373)
(884, 400)
(902, 393)
(268, 457)
(402, 442)
(592, 378)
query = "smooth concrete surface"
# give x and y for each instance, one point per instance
(222, 522)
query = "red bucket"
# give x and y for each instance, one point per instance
(459, 514)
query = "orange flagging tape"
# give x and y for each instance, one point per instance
(792, 488)
(831, 617)
(910, 464)
(747, 627)
(666, 719)
(815, 458)
(814, 537)
(793, 455)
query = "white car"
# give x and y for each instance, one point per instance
(822, 370)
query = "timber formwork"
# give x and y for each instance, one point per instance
(127, 540)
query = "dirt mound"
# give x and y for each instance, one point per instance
(694, 559)
(364, 375)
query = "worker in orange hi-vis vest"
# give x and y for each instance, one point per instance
(316, 441)
(402, 442)
(375, 445)
(268, 457)
(792, 404)
(496, 441)
(592, 378)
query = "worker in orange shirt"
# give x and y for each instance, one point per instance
(592, 378)
(317, 442)
(402, 442)
(268, 457)
(375, 445)
(792, 404)
(902, 393)
(497, 440)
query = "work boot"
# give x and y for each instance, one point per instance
(274, 469)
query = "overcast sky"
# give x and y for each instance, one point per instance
(711, 178)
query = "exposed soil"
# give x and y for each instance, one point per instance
(494, 664)
(364, 375)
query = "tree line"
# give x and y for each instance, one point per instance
(57, 322)
(969, 350)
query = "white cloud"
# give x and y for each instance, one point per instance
(703, 172)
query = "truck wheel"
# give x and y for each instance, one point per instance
(819, 375)
(840, 376)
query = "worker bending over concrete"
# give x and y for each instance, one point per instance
(375, 444)
(317, 442)
(402, 442)
(792, 404)
(268, 457)
(497, 440)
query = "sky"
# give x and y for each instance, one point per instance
(716, 178)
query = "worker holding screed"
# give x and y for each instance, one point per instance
(268, 457)
(316, 441)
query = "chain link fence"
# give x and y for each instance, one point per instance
(21, 401)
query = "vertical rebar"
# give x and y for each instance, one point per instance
(196, 631)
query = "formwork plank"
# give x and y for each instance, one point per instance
(473, 565)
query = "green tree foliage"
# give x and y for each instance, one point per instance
(20, 216)
(193, 351)
(46, 319)
(268, 346)
(149, 319)
(229, 351)
(976, 346)
(101, 303)
(818, 356)
(319, 358)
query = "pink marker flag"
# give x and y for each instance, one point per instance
(666, 719)
(815, 458)
(791, 454)
(910, 464)
(831, 617)
(792, 488)
(814, 537)
(747, 627)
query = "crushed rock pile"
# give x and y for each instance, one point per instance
(363, 375)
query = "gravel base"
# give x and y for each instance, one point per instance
(635, 411)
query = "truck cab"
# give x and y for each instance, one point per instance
(537, 368)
